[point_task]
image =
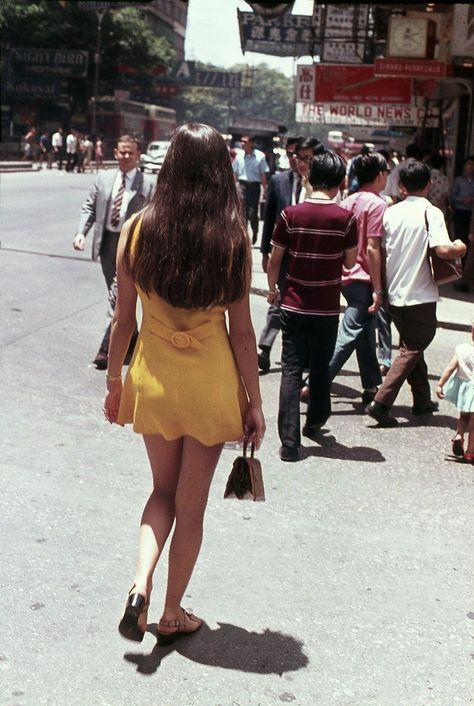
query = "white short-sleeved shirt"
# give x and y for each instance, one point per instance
(465, 356)
(406, 241)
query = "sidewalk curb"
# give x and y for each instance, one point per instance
(452, 325)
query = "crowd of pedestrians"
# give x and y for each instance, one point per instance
(192, 383)
(76, 149)
(398, 211)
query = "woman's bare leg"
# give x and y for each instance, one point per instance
(470, 434)
(158, 515)
(197, 469)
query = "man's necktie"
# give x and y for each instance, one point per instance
(117, 205)
(299, 184)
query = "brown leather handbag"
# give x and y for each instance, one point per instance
(442, 271)
(245, 481)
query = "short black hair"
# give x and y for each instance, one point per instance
(437, 160)
(293, 140)
(308, 143)
(415, 176)
(412, 150)
(367, 167)
(327, 170)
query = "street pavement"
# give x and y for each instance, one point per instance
(352, 585)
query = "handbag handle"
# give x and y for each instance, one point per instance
(252, 447)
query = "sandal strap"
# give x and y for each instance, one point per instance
(177, 623)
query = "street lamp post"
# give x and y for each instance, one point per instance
(100, 15)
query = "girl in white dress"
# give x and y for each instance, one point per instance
(456, 384)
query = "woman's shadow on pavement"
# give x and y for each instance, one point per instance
(229, 647)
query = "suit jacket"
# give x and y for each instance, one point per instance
(279, 191)
(95, 207)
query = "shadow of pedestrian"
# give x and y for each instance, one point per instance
(330, 448)
(229, 647)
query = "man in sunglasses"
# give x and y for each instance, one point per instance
(250, 169)
(285, 188)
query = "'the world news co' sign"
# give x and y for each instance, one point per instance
(64, 63)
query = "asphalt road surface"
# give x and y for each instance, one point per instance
(351, 586)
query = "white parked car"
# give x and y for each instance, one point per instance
(152, 159)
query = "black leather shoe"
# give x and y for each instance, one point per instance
(264, 361)
(288, 453)
(101, 359)
(368, 395)
(313, 429)
(381, 414)
(427, 409)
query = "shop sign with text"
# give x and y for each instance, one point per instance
(410, 68)
(331, 83)
(364, 114)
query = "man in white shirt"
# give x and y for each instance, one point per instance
(57, 141)
(250, 169)
(71, 151)
(410, 228)
(117, 194)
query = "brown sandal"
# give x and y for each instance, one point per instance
(177, 628)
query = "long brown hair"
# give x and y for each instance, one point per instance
(192, 248)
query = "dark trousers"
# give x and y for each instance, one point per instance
(273, 322)
(108, 256)
(305, 337)
(71, 162)
(417, 328)
(251, 195)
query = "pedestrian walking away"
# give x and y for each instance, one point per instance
(250, 169)
(117, 194)
(456, 385)
(362, 285)
(319, 237)
(174, 255)
(410, 228)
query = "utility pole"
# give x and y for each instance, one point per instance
(100, 16)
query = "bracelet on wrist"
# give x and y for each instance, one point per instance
(113, 378)
(378, 291)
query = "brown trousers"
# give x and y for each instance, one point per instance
(417, 327)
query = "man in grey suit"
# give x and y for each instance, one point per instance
(116, 195)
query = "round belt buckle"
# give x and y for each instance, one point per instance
(180, 339)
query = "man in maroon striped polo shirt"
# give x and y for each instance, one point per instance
(320, 237)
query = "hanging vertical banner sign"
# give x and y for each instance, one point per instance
(305, 84)
(462, 40)
(344, 35)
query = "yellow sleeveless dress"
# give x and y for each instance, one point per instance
(183, 379)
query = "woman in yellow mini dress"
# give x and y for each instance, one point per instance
(193, 382)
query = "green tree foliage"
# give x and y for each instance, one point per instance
(126, 38)
(270, 95)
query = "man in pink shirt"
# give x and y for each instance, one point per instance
(362, 285)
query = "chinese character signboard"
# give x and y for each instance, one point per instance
(289, 35)
(305, 84)
(345, 34)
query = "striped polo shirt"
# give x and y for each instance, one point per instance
(315, 233)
